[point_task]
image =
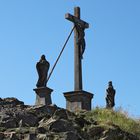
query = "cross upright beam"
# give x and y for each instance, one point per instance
(78, 85)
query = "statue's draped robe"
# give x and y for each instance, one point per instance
(110, 97)
(42, 68)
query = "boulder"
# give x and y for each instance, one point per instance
(9, 123)
(11, 101)
(39, 111)
(41, 136)
(59, 125)
(118, 134)
(60, 114)
(27, 119)
(71, 136)
(1, 136)
(95, 131)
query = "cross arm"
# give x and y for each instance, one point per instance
(76, 20)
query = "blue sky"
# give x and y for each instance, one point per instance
(31, 28)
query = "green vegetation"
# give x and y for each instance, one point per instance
(109, 117)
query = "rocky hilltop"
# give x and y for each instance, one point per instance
(24, 122)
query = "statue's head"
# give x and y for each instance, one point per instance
(110, 84)
(43, 57)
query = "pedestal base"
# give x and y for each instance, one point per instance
(43, 96)
(78, 100)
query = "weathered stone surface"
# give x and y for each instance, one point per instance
(61, 126)
(30, 136)
(95, 131)
(1, 136)
(117, 134)
(39, 111)
(53, 125)
(43, 96)
(78, 100)
(8, 123)
(71, 136)
(10, 101)
(60, 114)
(41, 136)
(22, 122)
(81, 121)
(27, 119)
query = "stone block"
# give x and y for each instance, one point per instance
(43, 96)
(78, 100)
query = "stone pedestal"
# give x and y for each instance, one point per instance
(43, 96)
(78, 100)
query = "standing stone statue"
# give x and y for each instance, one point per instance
(42, 68)
(110, 94)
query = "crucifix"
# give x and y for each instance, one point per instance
(78, 99)
(79, 46)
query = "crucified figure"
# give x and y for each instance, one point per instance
(81, 39)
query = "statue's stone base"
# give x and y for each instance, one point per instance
(78, 100)
(43, 96)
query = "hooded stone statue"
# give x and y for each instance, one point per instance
(42, 68)
(110, 94)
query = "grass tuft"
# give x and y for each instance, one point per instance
(118, 117)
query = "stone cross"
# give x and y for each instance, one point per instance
(78, 43)
(78, 99)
